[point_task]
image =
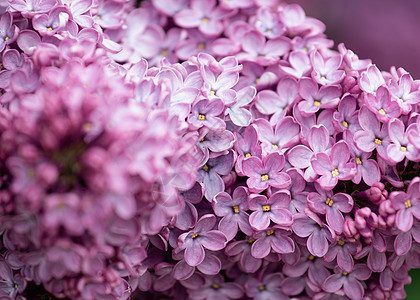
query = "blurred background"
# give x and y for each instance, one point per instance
(387, 31)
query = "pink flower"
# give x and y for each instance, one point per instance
(202, 236)
(324, 202)
(256, 48)
(333, 167)
(372, 135)
(266, 172)
(319, 234)
(300, 64)
(8, 31)
(349, 280)
(400, 148)
(404, 92)
(325, 97)
(204, 15)
(407, 205)
(300, 156)
(272, 209)
(284, 135)
(382, 106)
(371, 79)
(205, 113)
(276, 103)
(326, 70)
(274, 238)
(233, 212)
(366, 168)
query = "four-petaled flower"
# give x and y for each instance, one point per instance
(333, 167)
(273, 208)
(202, 236)
(266, 172)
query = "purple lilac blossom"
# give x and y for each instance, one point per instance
(112, 134)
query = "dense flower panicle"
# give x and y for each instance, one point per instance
(201, 149)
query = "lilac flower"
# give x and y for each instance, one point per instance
(256, 75)
(371, 136)
(403, 240)
(216, 288)
(80, 11)
(344, 251)
(400, 148)
(371, 79)
(273, 238)
(326, 70)
(166, 280)
(10, 284)
(347, 116)
(29, 8)
(202, 236)
(316, 268)
(298, 194)
(382, 106)
(306, 123)
(325, 97)
(211, 265)
(136, 23)
(109, 14)
(189, 216)
(247, 262)
(300, 156)
(266, 172)
(318, 233)
(219, 85)
(204, 15)
(352, 60)
(366, 168)
(237, 112)
(257, 49)
(349, 280)
(324, 202)
(205, 112)
(209, 174)
(293, 17)
(233, 210)
(376, 260)
(269, 287)
(405, 93)
(273, 209)
(213, 140)
(333, 167)
(8, 31)
(267, 22)
(308, 43)
(48, 25)
(275, 103)
(195, 43)
(407, 205)
(231, 44)
(413, 133)
(246, 145)
(284, 135)
(300, 64)
(410, 260)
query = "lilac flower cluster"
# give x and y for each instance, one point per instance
(201, 149)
